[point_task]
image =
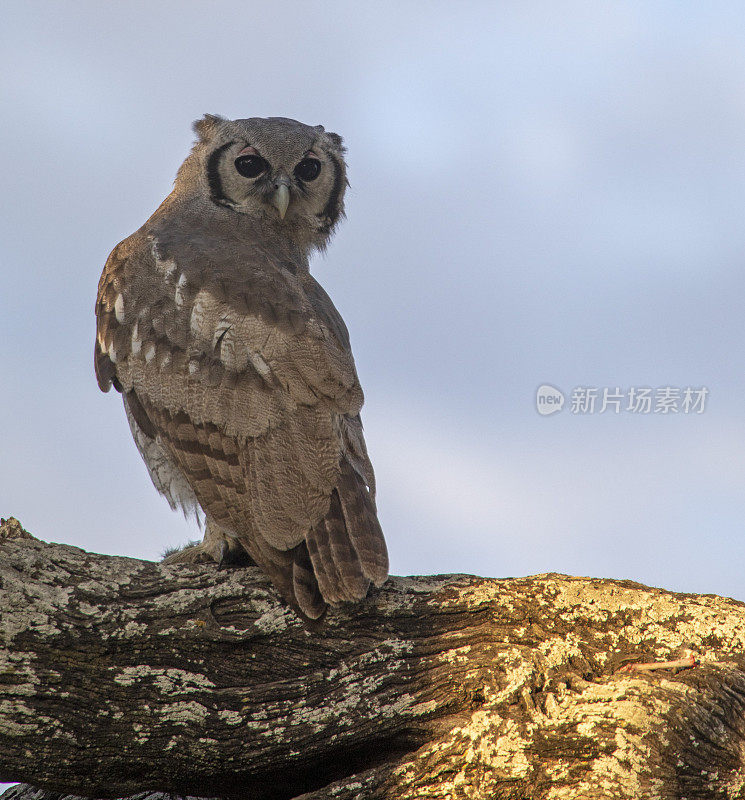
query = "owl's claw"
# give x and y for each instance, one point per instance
(232, 554)
(224, 555)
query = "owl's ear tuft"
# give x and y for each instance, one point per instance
(205, 128)
(336, 140)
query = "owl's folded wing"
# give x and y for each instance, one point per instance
(250, 410)
(206, 351)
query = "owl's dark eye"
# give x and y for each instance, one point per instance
(250, 166)
(308, 169)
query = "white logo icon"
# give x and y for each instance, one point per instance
(548, 400)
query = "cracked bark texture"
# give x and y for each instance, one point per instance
(121, 677)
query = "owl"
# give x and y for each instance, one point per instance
(235, 367)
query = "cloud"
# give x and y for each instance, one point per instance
(581, 498)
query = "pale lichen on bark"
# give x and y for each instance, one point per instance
(119, 676)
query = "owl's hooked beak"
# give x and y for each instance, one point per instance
(281, 196)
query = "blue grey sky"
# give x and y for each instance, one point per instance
(540, 193)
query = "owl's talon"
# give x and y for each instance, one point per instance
(232, 554)
(224, 550)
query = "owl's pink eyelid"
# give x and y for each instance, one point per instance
(249, 151)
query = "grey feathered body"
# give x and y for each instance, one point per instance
(241, 392)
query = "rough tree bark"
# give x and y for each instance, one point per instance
(120, 676)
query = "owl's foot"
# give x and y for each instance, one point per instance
(226, 552)
(191, 553)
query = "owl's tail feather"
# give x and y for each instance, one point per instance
(305, 586)
(346, 549)
(362, 525)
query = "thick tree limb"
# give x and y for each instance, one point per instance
(120, 676)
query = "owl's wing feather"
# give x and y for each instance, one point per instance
(157, 324)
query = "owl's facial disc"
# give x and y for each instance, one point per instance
(289, 183)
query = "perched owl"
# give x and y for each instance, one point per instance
(235, 367)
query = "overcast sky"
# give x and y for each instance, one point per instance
(541, 193)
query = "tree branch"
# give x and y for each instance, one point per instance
(120, 676)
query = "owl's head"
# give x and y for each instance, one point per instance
(289, 175)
